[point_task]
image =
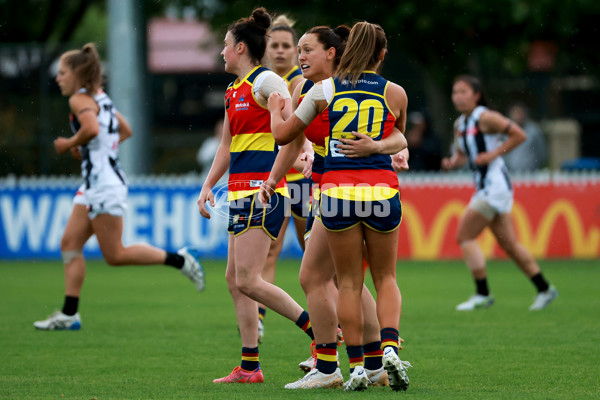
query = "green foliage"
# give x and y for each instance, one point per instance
(147, 334)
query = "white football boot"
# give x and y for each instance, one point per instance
(396, 369)
(476, 302)
(543, 299)
(59, 322)
(316, 379)
(192, 267)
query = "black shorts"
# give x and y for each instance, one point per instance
(379, 215)
(300, 192)
(249, 213)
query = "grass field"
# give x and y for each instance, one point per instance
(147, 334)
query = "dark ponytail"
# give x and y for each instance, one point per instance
(252, 31)
(329, 38)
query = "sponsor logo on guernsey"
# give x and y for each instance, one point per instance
(242, 105)
(256, 182)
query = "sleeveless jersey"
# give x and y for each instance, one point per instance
(315, 133)
(253, 148)
(361, 108)
(472, 142)
(99, 157)
(292, 73)
(293, 174)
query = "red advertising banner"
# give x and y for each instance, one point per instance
(553, 220)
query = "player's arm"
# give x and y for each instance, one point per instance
(494, 122)
(287, 130)
(364, 145)
(457, 159)
(400, 161)
(217, 170)
(283, 162)
(124, 128)
(86, 110)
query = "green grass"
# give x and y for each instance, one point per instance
(147, 334)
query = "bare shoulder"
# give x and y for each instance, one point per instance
(396, 92)
(80, 101)
(297, 90)
(492, 121)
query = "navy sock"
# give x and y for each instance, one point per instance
(327, 358)
(373, 355)
(390, 337)
(250, 358)
(303, 323)
(355, 357)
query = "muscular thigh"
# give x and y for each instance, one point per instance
(384, 248)
(78, 229)
(250, 252)
(471, 224)
(317, 263)
(503, 230)
(109, 231)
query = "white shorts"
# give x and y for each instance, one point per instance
(103, 200)
(492, 203)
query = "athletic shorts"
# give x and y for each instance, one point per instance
(110, 200)
(300, 192)
(490, 203)
(249, 213)
(314, 212)
(381, 215)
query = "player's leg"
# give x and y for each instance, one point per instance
(389, 302)
(77, 231)
(245, 310)
(300, 227)
(251, 251)
(503, 230)
(109, 230)
(471, 224)
(269, 270)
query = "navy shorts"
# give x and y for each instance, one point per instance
(249, 213)
(314, 213)
(300, 192)
(379, 215)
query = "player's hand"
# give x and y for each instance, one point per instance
(400, 341)
(267, 189)
(447, 164)
(75, 153)
(362, 146)
(399, 162)
(308, 159)
(275, 102)
(206, 194)
(61, 145)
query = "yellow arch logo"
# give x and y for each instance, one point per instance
(429, 246)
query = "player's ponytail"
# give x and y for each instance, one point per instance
(329, 38)
(85, 64)
(363, 49)
(252, 31)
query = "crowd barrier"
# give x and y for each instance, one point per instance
(556, 215)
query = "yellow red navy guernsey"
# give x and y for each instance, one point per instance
(253, 148)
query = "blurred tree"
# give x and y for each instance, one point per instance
(433, 41)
